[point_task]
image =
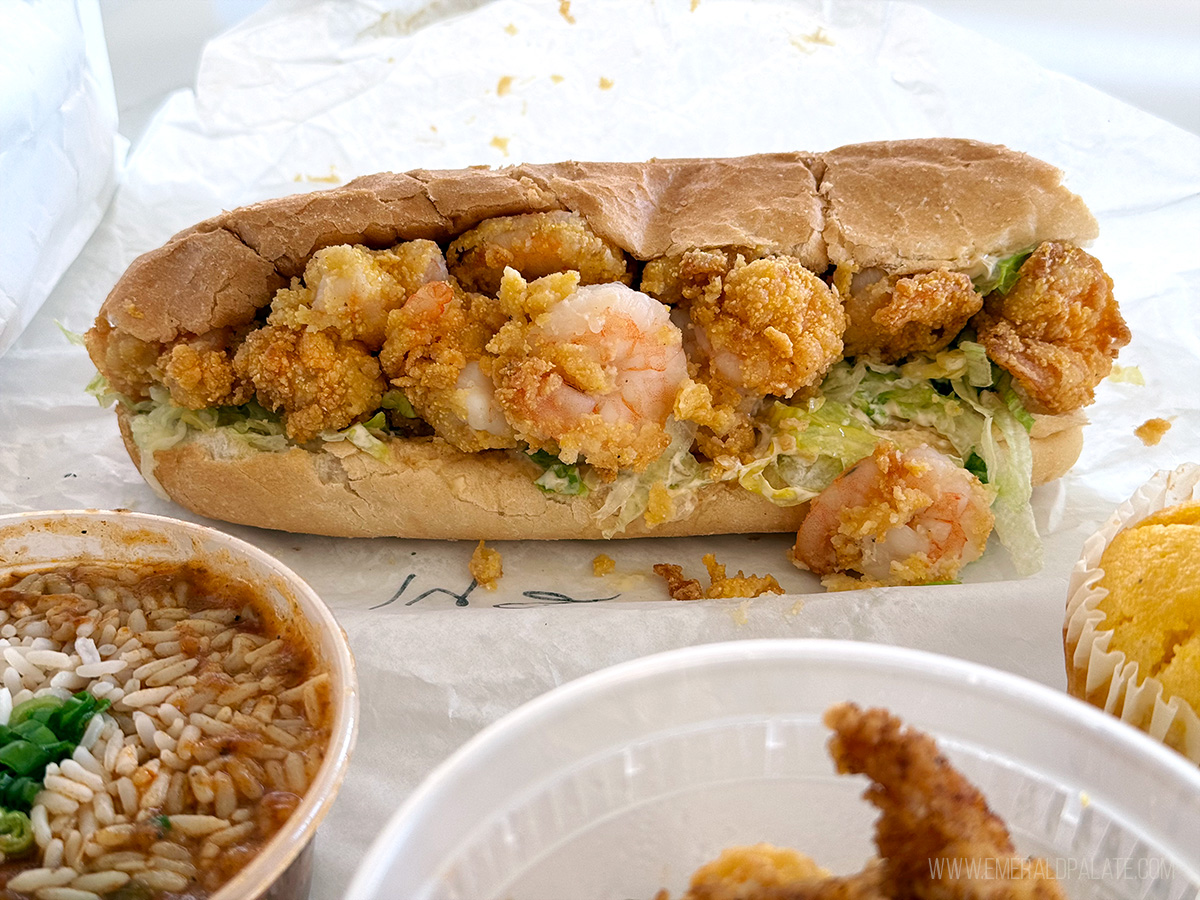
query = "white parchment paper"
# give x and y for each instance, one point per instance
(308, 94)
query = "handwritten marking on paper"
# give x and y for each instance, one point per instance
(504, 86)
(501, 144)
(550, 598)
(605, 83)
(808, 42)
(564, 10)
(462, 598)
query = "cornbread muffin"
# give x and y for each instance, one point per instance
(1132, 634)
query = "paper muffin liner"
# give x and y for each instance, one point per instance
(1105, 677)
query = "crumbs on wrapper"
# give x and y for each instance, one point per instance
(680, 587)
(603, 564)
(486, 566)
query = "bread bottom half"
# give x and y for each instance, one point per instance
(429, 490)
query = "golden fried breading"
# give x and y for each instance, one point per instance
(127, 362)
(747, 873)
(534, 244)
(434, 334)
(434, 352)
(1057, 331)
(929, 813)
(896, 316)
(773, 328)
(320, 381)
(721, 585)
(200, 374)
(486, 566)
(677, 280)
(353, 289)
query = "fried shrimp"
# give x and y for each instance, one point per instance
(433, 351)
(774, 328)
(352, 289)
(535, 244)
(1057, 331)
(129, 363)
(317, 379)
(930, 812)
(589, 372)
(891, 317)
(935, 836)
(896, 517)
(199, 372)
(758, 328)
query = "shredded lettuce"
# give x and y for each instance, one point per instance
(676, 470)
(559, 477)
(395, 400)
(1004, 274)
(956, 393)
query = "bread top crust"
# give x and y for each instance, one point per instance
(900, 205)
(909, 206)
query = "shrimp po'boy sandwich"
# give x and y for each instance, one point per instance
(882, 348)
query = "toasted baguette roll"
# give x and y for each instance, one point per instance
(897, 207)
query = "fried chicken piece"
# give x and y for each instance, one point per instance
(353, 289)
(930, 813)
(319, 380)
(434, 352)
(1057, 331)
(199, 371)
(890, 317)
(535, 244)
(127, 362)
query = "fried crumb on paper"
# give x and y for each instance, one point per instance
(486, 566)
(564, 10)
(504, 86)
(501, 144)
(680, 587)
(603, 564)
(1152, 431)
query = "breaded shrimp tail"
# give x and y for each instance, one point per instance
(936, 834)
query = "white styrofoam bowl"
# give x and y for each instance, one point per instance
(39, 540)
(625, 781)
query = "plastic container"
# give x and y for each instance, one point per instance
(283, 869)
(625, 781)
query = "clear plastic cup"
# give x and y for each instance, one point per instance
(282, 870)
(625, 781)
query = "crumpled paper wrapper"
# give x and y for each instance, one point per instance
(60, 151)
(306, 95)
(1108, 674)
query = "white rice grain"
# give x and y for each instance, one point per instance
(65, 893)
(46, 876)
(145, 697)
(101, 882)
(99, 669)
